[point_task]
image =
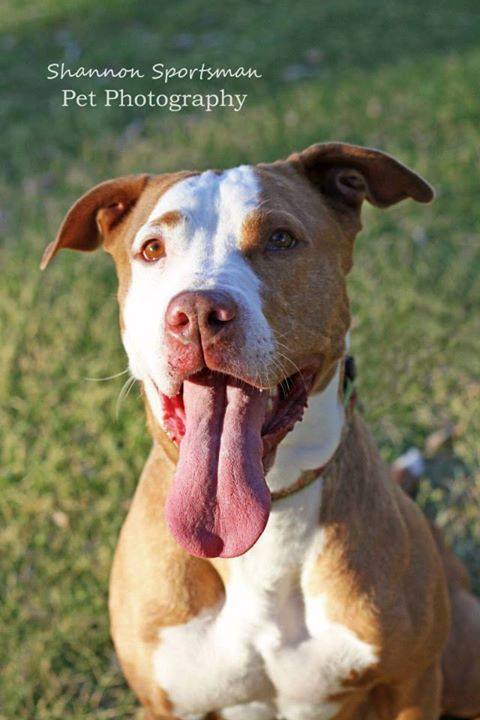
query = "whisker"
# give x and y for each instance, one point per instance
(295, 366)
(109, 377)
(125, 389)
(278, 334)
(282, 344)
(283, 371)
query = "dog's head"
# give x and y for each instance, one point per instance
(233, 305)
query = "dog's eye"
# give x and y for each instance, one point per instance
(152, 250)
(281, 240)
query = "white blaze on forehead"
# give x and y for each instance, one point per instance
(215, 202)
(202, 252)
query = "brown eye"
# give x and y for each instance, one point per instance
(281, 240)
(152, 250)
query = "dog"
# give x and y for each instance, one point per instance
(269, 566)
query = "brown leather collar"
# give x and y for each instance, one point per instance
(349, 401)
(305, 479)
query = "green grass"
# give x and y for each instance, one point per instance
(401, 76)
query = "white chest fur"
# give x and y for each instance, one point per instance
(313, 441)
(270, 650)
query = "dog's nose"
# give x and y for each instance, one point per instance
(195, 316)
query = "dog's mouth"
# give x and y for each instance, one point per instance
(227, 431)
(284, 405)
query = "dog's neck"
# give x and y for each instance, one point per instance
(294, 519)
(314, 440)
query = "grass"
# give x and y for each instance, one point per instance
(401, 76)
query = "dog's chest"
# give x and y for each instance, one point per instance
(270, 649)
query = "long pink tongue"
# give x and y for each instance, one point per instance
(219, 502)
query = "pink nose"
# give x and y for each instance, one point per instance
(198, 316)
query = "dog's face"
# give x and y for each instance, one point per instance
(233, 305)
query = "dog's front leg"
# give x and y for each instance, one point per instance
(417, 698)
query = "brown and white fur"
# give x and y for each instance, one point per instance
(342, 607)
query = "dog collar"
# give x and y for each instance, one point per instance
(349, 401)
(305, 479)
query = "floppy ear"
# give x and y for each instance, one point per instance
(95, 214)
(351, 174)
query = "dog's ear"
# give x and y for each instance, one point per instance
(93, 217)
(350, 174)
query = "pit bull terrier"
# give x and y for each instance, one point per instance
(269, 567)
